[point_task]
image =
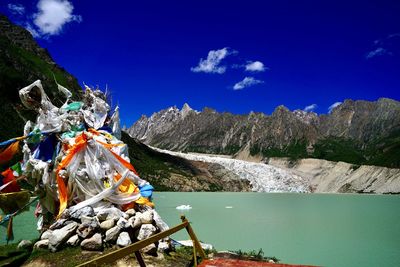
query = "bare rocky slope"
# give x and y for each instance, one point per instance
(340, 177)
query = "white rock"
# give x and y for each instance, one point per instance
(41, 244)
(87, 211)
(146, 230)
(73, 241)
(130, 212)
(92, 221)
(46, 234)
(146, 217)
(135, 222)
(123, 223)
(107, 224)
(93, 243)
(112, 234)
(58, 224)
(124, 239)
(110, 213)
(85, 230)
(59, 236)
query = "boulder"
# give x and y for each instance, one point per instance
(123, 223)
(85, 230)
(146, 217)
(46, 235)
(112, 234)
(59, 236)
(41, 244)
(57, 224)
(85, 211)
(135, 222)
(94, 243)
(24, 244)
(110, 213)
(130, 212)
(73, 241)
(124, 239)
(92, 221)
(145, 231)
(107, 224)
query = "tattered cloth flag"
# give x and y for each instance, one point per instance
(9, 151)
(8, 179)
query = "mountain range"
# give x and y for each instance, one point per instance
(358, 132)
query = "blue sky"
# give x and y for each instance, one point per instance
(236, 56)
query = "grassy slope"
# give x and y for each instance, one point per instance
(153, 165)
(19, 68)
(381, 152)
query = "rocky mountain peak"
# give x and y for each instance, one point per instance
(186, 109)
(306, 117)
(280, 109)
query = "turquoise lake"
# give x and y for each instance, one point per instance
(317, 229)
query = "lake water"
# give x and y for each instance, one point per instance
(319, 229)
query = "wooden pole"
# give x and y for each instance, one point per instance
(194, 256)
(193, 236)
(139, 258)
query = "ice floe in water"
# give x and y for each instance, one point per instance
(184, 207)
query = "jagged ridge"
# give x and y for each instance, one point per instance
(360, 132)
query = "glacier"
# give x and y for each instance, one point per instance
(262, 177)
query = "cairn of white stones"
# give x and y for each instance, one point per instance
(94, 230)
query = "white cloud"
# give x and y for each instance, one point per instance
(16, 9)
(334, 105)
(380, 51)
(255, 66)
(310, 108)
(246, 82)
(52, 15)
(212, 63)
(32, 30)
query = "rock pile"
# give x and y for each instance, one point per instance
(94, 229)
